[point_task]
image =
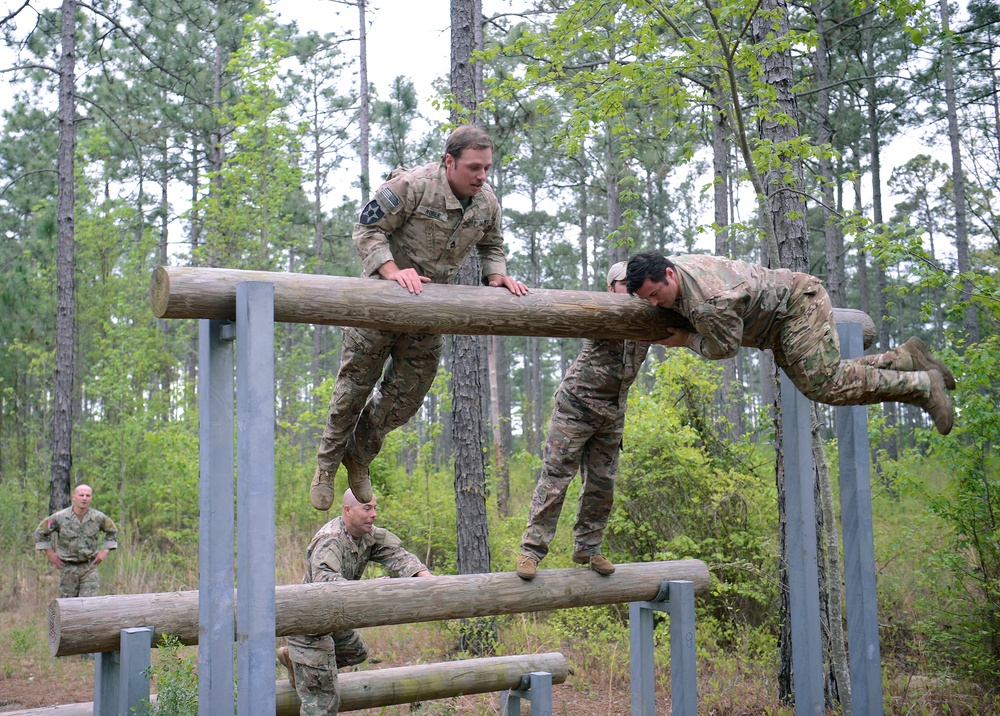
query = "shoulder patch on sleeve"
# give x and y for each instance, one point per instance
(371, 213)
(389, 196)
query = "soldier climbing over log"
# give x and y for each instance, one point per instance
(731, 303)
(419, 228)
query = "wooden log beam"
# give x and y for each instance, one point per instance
(366, 303)
(397, 685)
(188, 292)
(80, 625)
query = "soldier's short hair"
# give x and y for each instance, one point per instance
(466, 136)
(645, 264)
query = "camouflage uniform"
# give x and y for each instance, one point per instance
(76, 544)
(585, 434)
(416, 221)
(335, 556)
(732, 303)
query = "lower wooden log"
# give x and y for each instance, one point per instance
(80, 625)
(397, 685)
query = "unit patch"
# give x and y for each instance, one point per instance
(389, 196)
(371, 213)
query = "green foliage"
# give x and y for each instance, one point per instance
(175, 675)
(970, 507)
(684, 492)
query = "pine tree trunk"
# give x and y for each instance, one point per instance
(890, 411)
(468, 369)
(62, 418)
(971, 322)
(786, 214)
(364, 102)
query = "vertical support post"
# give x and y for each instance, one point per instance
(803, 573)
(217, 519)
(676, 598)
(255, 611)
(641, 659)
(859, 543)
(683, 671)
(136, 643)
(536, 687)
(120, 682)
(106, 683)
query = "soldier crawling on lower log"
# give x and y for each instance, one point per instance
(732, 303)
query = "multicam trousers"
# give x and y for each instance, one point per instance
(578, 440)
(358, 424)
(79, 579)
(315, 660)
(808, 349)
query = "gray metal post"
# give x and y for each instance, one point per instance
(106, 683)
(255, 612)
(803, 574)
(216, 522)
(683, 666)
(859, 544)
(536, 687)
(136, 643)
(120, 682)
(677, 599)
(641, 659)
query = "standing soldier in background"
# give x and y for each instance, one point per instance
(585, 434)
(77, 550)
(419, 228)
(339, 552)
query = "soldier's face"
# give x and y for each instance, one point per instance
(662, 294)
(81, 498)
(617, 287)
(360, 519)
(467, 174)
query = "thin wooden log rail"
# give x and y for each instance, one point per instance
(187, 292)
(80, 625)
(397, 685)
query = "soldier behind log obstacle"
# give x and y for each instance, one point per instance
(71, 539)
(419, 228)
(585, 435)
(340, 551)
(732, 303)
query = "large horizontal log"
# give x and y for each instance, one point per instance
(187, 292)
(368, 303)
(79, 625)
(396, 685)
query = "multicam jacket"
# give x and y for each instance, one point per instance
(334, 555)
(77, 539)
(732, 303)
(417, 221)
(602, 374)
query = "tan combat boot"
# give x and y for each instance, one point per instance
(358, 479)
(938, 404)
(527, 567)
(286, 661)
(597, 562)
(321, 489)
(915, 355)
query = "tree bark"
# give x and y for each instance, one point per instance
(62, 414)
(971, 322)
(881, 280)
(468, 362)
(364, 103)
